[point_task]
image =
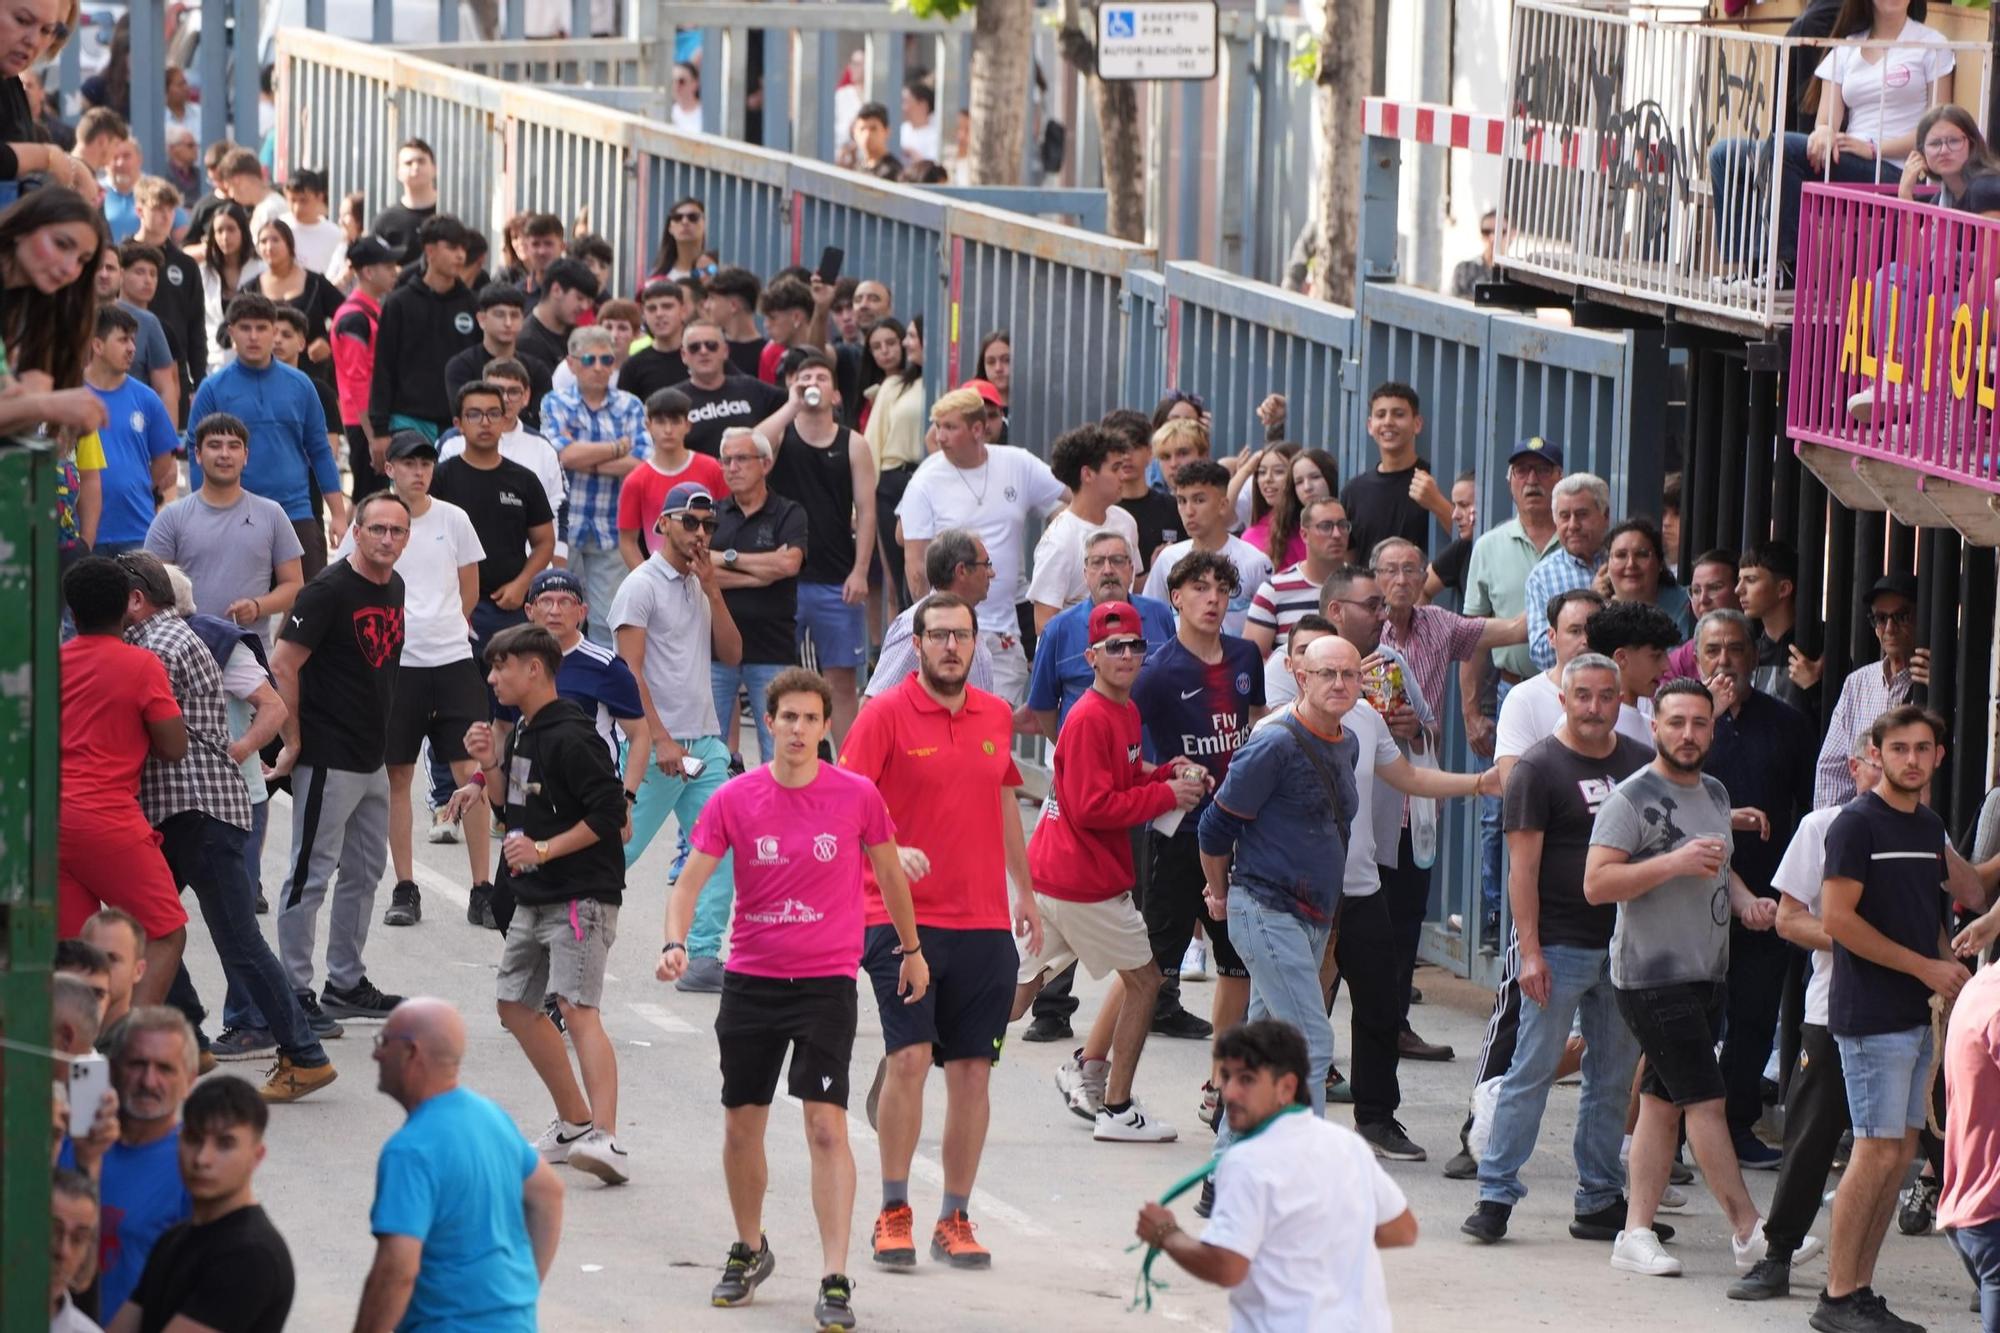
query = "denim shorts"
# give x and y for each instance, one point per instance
(838, 629)
(1677, 1027)
(1888, 1081)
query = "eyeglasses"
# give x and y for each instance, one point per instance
(384, 1038)
(939, 638)
(1107, 562)
(1951, 144)
(1332, 527)
(1884, 619)
(557, 601)
(597, 359)
(511, 390)
(1399, 571)
(1486, 231)
(685, 215)
(1327, 674)
(1123, 647)
(690, 523)
(478, 415)
(975, 564)
(1373, 605)
(703, 346)
(384, 531)
(740, 460)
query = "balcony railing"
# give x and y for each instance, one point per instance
(1894, 351)
(1645, 152)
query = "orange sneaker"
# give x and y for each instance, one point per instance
(895, 1243)
(952, 1242)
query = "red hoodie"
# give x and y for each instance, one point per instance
(1081, 851)
(354, 353)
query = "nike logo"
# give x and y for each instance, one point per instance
(572, 1138)
(1189, 694)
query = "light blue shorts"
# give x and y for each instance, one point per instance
(1888, 1081)
(839, 632)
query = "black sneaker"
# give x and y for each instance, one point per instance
(479, 907)
(1462, 1166)
(1608, 1221)
(743, 1272)
(362, 1000)
(1388, 1139)
(1753, 1154)
(835, 1311)
(1181, 1023)
(554, 1011)
(1488, 1222)
(406, 905)
(1046, 1028)
(1860, 1311)
(1769, 1279)
(322, 1025)
(1919, 1211)
(244, 1044)
(263, 904)
(1205, 1205)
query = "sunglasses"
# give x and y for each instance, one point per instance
(689, 523)
(597, 359)
(1123, 647)
(683, 216)
(703, 346)
(1882, 619)
(1193, 400)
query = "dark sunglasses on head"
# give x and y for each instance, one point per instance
(1193, 400)
(703, 346)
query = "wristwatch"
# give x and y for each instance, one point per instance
(729, 558)
(542, 850)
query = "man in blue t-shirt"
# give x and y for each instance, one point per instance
(1061, 674)
(138, 435)
(1198, 694)
(466, 1214)
(593, 676)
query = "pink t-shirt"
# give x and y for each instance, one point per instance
(1258, 534)
(799, 853)
(1971, 1193)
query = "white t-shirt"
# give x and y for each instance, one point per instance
(688, 121)
(317, 244)
(1253, 567)
(1800, 876)
(1301, 1201)
(442, 542)
(1887, 98)
(1533, 710)
(1376, 823)
(533, 452)
(993, 500)
(1058, 579)
(919, 145)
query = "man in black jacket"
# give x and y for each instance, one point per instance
(553, 785)
(424, 324)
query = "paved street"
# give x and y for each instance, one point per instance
(1055, 1208)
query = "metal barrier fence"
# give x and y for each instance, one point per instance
(1646, 156)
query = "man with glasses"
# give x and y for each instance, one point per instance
(955, 562)
(1293, 592)
(672, 624)
(763, 540)
(1582, 506)
(600, 434)
(521, 443)
(1870, 691)
(719, 397)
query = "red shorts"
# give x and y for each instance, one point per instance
(122, 867)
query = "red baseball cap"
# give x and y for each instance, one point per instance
(985, 389)
(1112, 618)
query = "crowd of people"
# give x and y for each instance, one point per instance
(363, 513)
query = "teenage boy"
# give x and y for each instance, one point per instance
(1080, 858)
(508, 506)
(664, 306)
(138, 435)
(1092, 462)
(225, 1267)
(671, 462)
(1398, 497)
(795, 320)
(799, 830)
(732, 305)
(318, 241)
(568, 293)
(558, 792)
(1201, 489)
(521, 443)
(1157, 518)
(501, 312)
(400, 224)
(353, 330)
(177, 302)
(424, 324)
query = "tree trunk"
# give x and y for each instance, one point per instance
(1346, 73)
(1121, 150)
(1002, 36)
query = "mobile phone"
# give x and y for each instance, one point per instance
(89, 1080)
(693, 766)
(830, 260)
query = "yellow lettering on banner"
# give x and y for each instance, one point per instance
(1868, 362)
(1892, 369)
(1848, 334)
(1961, 350)
(1986, 398)
(1930, 336)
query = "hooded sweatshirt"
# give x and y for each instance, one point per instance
(420, 330)
(559, 774)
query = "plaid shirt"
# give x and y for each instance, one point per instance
(207, 779)
(593, 500)
(1437, 639)
(1558, 571)
(1867, 693)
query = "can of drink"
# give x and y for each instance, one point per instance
(513, 836)
(813, 396)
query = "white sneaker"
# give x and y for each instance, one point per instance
(442, 829)
(1861, 406)
(1638, 1251)
(1672, 1200)
(1809, 1249)
(599, 1154)
(1081, 1083)
(1134, 1126)
(556, 1141)
(1194, 963)
(1748, 1252)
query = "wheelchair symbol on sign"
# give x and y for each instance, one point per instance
(1118, 23)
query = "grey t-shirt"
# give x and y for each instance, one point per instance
(227, 553)
(1679, 932)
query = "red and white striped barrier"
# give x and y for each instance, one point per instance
(1439, 126)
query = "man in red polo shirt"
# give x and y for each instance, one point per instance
(939, 751)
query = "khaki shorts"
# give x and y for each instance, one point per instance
(557, 948)
(1105, 937)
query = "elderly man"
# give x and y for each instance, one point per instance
(955, 562)
(466, 1215)
(1870, 691)
(600, 434)
(1582, 508)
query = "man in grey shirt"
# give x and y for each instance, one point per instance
(239, 549)
(1660, 849)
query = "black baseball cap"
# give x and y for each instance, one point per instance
(557, 580)
(411, 444)
(368, 252)
(1900, 585)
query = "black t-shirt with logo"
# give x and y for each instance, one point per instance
(503, 503)
(354, 627)
(1159, 521)
(740, 400)
(234, 1273)
(1555, 791)
(1898, 859)
(822, 482)
(766, 616)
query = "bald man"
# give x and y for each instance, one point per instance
(467, 1215)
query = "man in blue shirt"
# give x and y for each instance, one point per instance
(289, 452)
(154, 362)
(138, 435)
(1061, 674)
(592, 675)
(467, 1215)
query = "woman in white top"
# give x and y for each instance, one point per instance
(229, 265)
(1869, 102)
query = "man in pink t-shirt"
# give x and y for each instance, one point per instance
(1969, 1209)
(798, 829)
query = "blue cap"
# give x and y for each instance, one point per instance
(1537, 447)
(687, 495)
(557, 580)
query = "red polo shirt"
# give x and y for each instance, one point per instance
(942, 774)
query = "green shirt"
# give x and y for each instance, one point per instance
(1496, 584)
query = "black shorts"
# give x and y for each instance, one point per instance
(1677, 1028)
(761, 1018)
(964, 1014)
(1173, 903)
(438, 703)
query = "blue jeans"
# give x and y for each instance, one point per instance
(1492, 841)
(1979, 1247)
(1738, 173)
(1888, 1081)
(756, 677)
(1283, 953)
(602, 569)
(1578, 979)
(660, 796)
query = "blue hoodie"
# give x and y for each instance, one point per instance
(289, 452)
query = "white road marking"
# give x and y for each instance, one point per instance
(664, 1019)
